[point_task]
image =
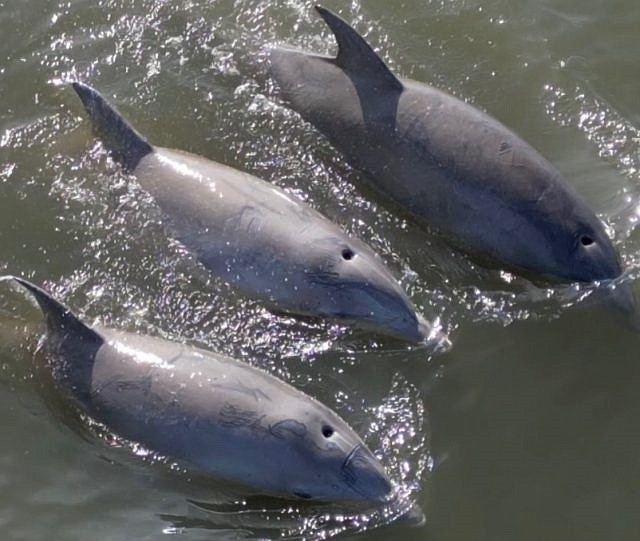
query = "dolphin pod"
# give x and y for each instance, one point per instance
(218, 415)
(451, 166)
(454, 168)
(255, 236)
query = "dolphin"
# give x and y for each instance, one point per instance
(217, 415)
(257, 237)
(455, 169)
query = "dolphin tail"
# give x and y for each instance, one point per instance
(355, 55)
(124, 143)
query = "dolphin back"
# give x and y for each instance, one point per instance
(125, 145)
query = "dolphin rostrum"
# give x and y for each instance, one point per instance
(254, 235)
(451, 166)
(217, 415)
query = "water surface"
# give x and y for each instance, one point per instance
(526, 430)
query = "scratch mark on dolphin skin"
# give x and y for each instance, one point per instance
(247, 218)
(142, 385)
(516, 161)
(254, 392)
(349, 466)
(325, 278)
(172, 361)
(505, 148)
(305, 227)
(291, 426)
(234, 417)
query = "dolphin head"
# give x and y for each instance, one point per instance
(591, 257)
(324, 459)
(543, 227)
(577, 248)
(357, 287)
(564, 241)
(588, 254)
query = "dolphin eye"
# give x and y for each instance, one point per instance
(347, 254)
(327, 431)
(586, 240)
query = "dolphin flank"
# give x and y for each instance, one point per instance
(451, 166)
(255, 236)
(213, 413)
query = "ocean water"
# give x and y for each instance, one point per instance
(526, 430)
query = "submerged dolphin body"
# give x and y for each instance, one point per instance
(255, 236)
(213, 413)
(451, 166)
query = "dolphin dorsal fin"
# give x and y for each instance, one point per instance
(355, 55)
(60, 320)
(124, 143)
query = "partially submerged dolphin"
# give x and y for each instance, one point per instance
(216, 414)
(257, 237)
(453, 167)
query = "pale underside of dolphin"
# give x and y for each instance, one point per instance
(260, 239)
(212, 413)
(452, 167)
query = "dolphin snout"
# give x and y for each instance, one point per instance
(365, 475)
(418, 330)
(433, 336)
(620, 298)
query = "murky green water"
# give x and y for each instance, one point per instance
(527, 430)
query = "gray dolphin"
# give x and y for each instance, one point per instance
(453, 167)
(219, 416)
(257, 237)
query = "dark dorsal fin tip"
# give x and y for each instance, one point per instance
(354, 53)
(59, 318)
(124, 143)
